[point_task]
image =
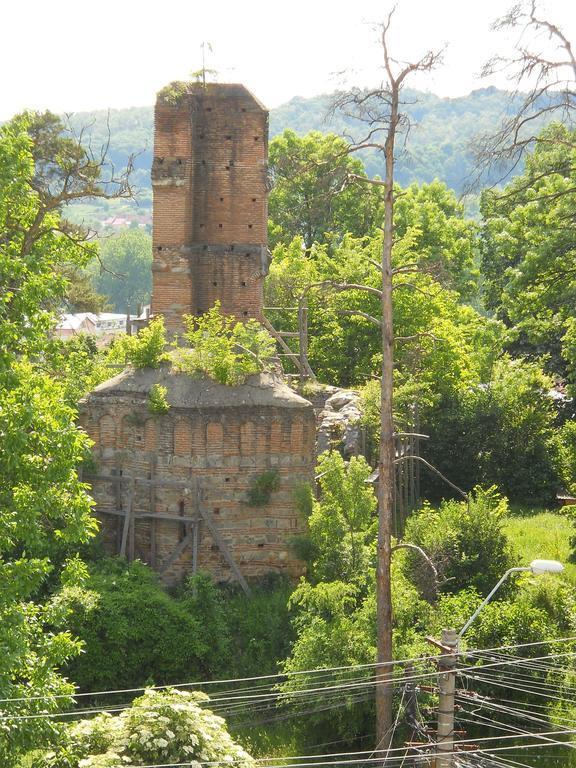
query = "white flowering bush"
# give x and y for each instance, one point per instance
(170, 726)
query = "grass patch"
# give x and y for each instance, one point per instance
(538, 533)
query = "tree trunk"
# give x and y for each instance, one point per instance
(386, 458)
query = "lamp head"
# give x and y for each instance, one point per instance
(546, 566)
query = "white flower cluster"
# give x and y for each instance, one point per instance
(159, 727)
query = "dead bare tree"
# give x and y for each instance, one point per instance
(545, 64)
(379, 110)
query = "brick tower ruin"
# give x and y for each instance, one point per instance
(209, 178)
(176, 490)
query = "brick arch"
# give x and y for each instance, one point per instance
(166, 439)
(107, 430)
(198, 436)
(276, 437)
(214, 437)
(248, 438)
(151, 435)
(182, 437)
(297, 436)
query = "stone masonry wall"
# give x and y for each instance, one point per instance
(220, 453)
(209, 178)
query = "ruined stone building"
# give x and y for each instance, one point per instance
(210, 183)
(210, 484)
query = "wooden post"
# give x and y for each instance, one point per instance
(446, 695)
(127, 520)
(303, 337)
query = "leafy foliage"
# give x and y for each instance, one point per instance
(341, 525)
(465, 541)
(157, 401)
(147, 349)
(262, 488)
(44, 508)
(224, 349)
(311, 196)
(528, 251)
(500, 431)
(162, 727)
(124, 275)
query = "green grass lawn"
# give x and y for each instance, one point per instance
(537, 533)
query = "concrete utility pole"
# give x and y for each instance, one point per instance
(446, 695)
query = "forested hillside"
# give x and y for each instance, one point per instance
(439, 146)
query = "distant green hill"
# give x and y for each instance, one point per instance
(438, 145)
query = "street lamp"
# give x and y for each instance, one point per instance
(447, 665)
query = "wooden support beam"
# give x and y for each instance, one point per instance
(157, 482)
(273, 332)
(177, 551)
(222, 546)
(127, 522)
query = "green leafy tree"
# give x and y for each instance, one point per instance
(125, 274)
(465, 541)
(45, 509)
(529, 253)
(341, 524)
(147, 349)
(311, 195)
(499, 431)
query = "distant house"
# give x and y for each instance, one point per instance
(103, 326)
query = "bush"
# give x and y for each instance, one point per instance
(145, 350)
(170, 727)
(157, 401)
(137, 633)
(500, 433)
(466, 543)
(566, 442)
(223, 349)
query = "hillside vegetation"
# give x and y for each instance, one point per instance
(439, 147)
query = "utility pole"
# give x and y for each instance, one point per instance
(446, 695)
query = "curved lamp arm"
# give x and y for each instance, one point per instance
(490, 595)
(537, 567)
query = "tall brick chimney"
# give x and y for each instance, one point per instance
(209, 178)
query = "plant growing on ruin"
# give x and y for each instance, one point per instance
(173, 93)
(157, 400)
(223, 349)
(263, 487)
(146, 349)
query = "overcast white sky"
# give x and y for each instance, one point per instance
(70, 55)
